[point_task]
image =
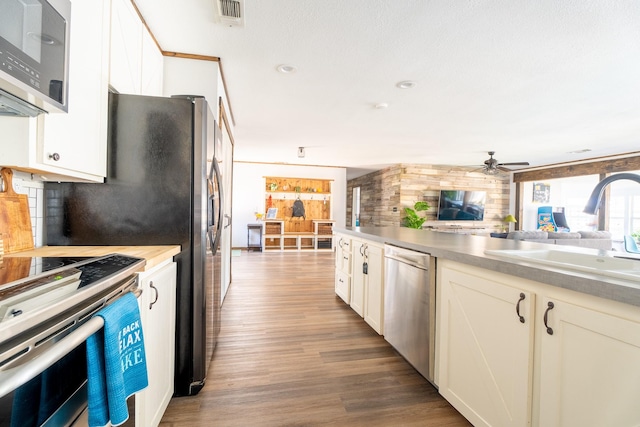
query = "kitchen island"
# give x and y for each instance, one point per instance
(519, 342)
(470, 250)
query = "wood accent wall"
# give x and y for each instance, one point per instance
(402, 185)
(314, 193)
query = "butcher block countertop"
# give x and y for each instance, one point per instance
(154, 255)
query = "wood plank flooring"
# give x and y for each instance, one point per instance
(291, 353)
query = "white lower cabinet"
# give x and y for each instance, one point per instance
(343, 267)
(569, 364)
(367, 282)
(158, 314)
(589, 367)
(485, 351)
(357, 276)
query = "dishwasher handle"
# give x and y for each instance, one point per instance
(406, 256)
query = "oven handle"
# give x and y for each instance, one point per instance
(13, 378)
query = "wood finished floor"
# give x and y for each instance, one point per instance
(291, 353)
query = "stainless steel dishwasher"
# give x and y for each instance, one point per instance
(409, 306)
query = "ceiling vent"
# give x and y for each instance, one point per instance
(231, 12)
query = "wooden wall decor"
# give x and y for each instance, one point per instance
(315, 194)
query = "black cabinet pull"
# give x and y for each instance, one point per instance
(156, 299)
(522, 296)
(549, 308)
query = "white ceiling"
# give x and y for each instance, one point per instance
(531, 80)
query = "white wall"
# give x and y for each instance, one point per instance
(184, 76)
(249, 192)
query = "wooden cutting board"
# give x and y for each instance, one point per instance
(15, 220)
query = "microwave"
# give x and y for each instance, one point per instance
(34, 56)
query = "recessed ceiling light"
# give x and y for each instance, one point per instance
(406, 84)
(286, 69)
(381, 105)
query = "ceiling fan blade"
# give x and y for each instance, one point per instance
(514, 164)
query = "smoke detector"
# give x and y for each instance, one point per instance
(231, 12)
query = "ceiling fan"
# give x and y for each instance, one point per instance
(493, 167)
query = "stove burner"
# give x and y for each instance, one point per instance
(16, 268)
(49, 263)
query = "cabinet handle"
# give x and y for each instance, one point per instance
(549, 308)
(156, 298)
(518, 307)
(55, 157)
(362, 249)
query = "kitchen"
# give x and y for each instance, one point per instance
(127, 46)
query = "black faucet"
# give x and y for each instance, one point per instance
(596, 194)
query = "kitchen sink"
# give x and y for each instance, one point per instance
(622, 268)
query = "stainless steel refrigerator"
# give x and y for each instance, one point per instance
(163, 188)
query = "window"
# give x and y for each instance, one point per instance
(624, 207)
(571, 194)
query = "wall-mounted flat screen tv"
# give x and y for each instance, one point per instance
(461, 205)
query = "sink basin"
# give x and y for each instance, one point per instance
(628, 269)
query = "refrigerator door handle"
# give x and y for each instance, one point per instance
(215, 239)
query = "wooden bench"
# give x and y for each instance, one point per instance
(275, 238)
(300, 240)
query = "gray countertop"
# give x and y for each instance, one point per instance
(470, 249)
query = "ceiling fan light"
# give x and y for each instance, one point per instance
(491, 171)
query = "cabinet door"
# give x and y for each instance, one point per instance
(152, 66)
(590, 368)
(485, 352)
(158, 319)
(343, 285)
(357, 276)
(126, 48)
(343, 254)
(374, 287)
(76, 141)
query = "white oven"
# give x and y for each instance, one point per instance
(45, 319)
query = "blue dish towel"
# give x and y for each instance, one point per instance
(116, 362)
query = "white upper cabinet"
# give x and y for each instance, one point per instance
(152, 71)
(136, 65)
(69, 146)
(126, 48)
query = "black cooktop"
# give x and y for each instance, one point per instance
(13, 269)
(17, 268)
(29, 286)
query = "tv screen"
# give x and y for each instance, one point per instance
(461, 205)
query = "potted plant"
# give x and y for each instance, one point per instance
(412, 219)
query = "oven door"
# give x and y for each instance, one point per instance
(43, 372)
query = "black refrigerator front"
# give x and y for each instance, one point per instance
(158, 191)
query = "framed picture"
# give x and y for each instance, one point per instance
(541, 192)
(271, 213)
